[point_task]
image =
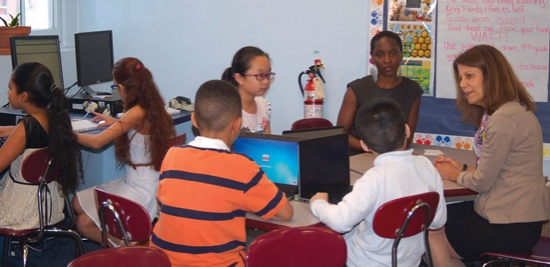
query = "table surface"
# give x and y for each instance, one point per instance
(358, 165)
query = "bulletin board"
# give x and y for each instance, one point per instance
(413, 21)
(518, 28)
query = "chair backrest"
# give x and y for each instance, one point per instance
(404, 217)
(38, 168)
(179, 139)
(310, 123)
(37, 164)
(122, 218)
(135, 256)
(298, 246)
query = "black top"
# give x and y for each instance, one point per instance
(365, 89)
(36, 136)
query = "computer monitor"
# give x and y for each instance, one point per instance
(42, 49)
(277, 156)
(94, 58)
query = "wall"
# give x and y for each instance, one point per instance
(186, 43)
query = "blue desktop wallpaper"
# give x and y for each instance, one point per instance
(278, 159)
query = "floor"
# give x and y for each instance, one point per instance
(55, 252)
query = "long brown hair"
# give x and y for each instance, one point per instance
(141, 90)
(501, 84)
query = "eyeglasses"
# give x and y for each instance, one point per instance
(114, 86)
(262, 76)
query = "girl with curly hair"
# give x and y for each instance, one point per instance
(141, 136)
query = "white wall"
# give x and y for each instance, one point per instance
(186, 43)
(67, 27)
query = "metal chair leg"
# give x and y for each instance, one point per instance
(25, 253)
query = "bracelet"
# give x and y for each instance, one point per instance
(465, 167)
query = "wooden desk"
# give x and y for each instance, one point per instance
(358, 165)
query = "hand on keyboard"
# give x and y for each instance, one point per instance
(319, 195)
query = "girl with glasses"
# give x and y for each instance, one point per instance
(251, 72)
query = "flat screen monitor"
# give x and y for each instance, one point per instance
(94, 58)
(42, 49)
(277, 156)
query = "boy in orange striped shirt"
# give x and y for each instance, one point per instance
(205, 189)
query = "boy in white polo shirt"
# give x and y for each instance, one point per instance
(396, 173)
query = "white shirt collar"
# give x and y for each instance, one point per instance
(392, 155)
(205, 142)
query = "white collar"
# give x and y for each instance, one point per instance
(205, 142)
(391, 155)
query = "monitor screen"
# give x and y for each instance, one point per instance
(42, 49)
(277, 158)
(94, 57)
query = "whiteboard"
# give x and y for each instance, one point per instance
(518, 28)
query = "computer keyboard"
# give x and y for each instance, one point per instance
(336, 195)
(83, 125)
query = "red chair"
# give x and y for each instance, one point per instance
(299, 246)
(179, 139)
(37, 169)
(135, 256)
(122, 218)
(310, 123)
(540, 254)
(405, 217)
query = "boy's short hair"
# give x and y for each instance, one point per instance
(381, 125)
(217, 104)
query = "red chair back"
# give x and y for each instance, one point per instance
(179, 139)
(122, 218)
(135, 256)
(404, 217)
(40, 169)
(298, 246)
(310, 123)
(36, 164)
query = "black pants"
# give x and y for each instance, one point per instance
(470, 235)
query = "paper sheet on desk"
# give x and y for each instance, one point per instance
(432, 152)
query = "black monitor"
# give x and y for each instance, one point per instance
(41, 49)
(94, 58)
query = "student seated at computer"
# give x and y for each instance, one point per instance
(47, 124)
(396, 173)
(205, 189)
(141, 137)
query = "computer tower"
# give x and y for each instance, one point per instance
(113, 103)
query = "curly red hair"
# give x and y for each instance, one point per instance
(142, 91)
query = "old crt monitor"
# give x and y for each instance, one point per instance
(94, 58)
(42, 49)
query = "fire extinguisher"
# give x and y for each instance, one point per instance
(313, 93)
